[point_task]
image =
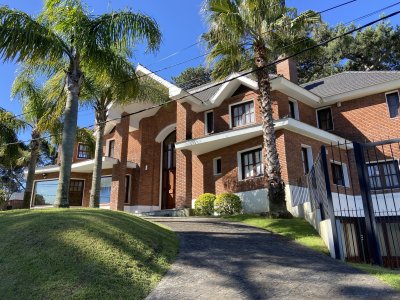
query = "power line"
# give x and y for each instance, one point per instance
(238, 76)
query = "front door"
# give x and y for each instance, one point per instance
(168, 172)
(76, 192)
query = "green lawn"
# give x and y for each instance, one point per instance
(302, 232)
(81, 254)
(296, 229)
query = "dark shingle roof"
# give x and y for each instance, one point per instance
(349, 81)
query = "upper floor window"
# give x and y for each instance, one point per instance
(324, 118)
(242, 114)
(209, 122)
(393, 104)
(293, 110)
(384, 175)
(251, 163)
(111, 148)
(84, 151)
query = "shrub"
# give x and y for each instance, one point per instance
(228, 204)
(204, 205)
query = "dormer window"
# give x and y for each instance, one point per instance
(83, 151)
(242, 114)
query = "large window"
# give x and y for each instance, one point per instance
(384, 175)
(251, 163)
(242, 114)
(324, 117)
(105, 190)
(84, 151)
(45, 192)
(209, 122)
(393, 103)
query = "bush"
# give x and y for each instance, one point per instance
(228, 204)
(204, 205)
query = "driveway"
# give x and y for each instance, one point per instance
(224, 260)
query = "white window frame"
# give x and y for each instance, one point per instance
(230, 113)
(215, 166)
(206, 122)
(387, 104)
(383, 161)
(309, 157)
(345, 171)
(296, 108)
(108, 147)
(316, 115)
(239, 162)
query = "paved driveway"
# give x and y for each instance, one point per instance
(223, 260)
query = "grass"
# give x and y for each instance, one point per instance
(302, 232)
(81, 254)
(296, 229)
(390, 277)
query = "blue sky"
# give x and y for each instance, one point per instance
(181, 23)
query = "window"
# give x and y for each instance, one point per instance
(324, 118)
(384, 175)
(45, 192)
(209, 122)
(339, 174)
(306, 157)
(84, 151)
(217, 166)
(105, 189)
(127, 188)
(392, 100)
(242, 114)
(111, 146)
(251, 163)
(293, 110)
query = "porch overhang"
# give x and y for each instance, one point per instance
(85, 166)
(221, 140)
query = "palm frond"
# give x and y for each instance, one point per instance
(125, 29)
(24, 38)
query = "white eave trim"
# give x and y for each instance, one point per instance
(77, 167)
(295, 91)
(370, 90)
(224, 139)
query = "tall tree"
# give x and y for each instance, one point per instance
(247, 34)
(372, 49)
(12, 155)
(65, 36)
(36, 111)
(102, 90)
(192, 77)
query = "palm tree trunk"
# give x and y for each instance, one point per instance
(272, 167)
(98, 159)
(72, 88)
(35, 144)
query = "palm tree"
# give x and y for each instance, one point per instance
(247, 34)
(66, 38)
(36, 109)
(102, 90)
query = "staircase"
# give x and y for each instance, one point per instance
(185, 212)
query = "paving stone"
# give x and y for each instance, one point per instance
(225, 260)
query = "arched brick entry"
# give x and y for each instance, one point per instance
(168, 178)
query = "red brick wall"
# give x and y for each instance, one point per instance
(365, 119)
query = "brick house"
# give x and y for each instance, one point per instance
(210, 139)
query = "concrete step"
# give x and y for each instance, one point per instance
(185, 212)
